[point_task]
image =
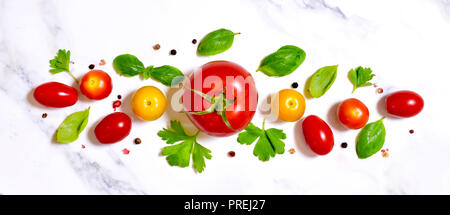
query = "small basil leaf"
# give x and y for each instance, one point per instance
(216, 42)
(371, 139)
(128, 65)
(282, 62)
(322, 80)
(72, 126)
(167, 75)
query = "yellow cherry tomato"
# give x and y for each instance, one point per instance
(148, 103)
(288, 105)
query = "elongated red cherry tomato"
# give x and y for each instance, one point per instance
(113, 128)
(318, 135)
(404, 103)
(55, 94)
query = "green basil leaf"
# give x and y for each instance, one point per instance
(216, 42)
(167, 75)
(72, 126)
(322, 80)
(282, 62)
(371, 139)
(128, 65)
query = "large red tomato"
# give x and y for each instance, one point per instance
(318, 135)
(220, 98)
(113, 128)
(55, 94)
(404, 103)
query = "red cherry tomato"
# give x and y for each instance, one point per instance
(404, 103)
(113, 128)
(96, 85)
(54, 94)
(235, 83)
(318, 135)
(353, 114)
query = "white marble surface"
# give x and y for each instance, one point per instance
(405, 42)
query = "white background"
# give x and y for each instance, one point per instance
(405, 43)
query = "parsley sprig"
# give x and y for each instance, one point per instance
(269, 141)
(360, 77)
(180, 154)
(61, 63)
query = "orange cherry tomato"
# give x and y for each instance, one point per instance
(96, 85)
(353, 114)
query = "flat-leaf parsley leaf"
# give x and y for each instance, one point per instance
(180, 154)
(360, 77)
(61, 63)
(269, 141)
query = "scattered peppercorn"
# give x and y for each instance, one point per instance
(231, 153)
(344, 145)
(294, 85)
(126, 151)
(44, 115)
(116, 104)
(156, 47)
(92, 66)
(411, 131)
(291, 150)
(194, 41)
(119, 97)
(173, 52)
(137, 141)
(82, 146)
(380, 90)
(102, 62)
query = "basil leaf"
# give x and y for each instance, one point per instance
(322, 80)
(167, 75)
(282, 62)
(371, 139)
(216, 42)
(128, 65)
(72, 126)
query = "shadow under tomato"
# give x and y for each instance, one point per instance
(332, 118)
(300, 140)
(381, 108)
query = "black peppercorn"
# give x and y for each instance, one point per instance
(119, 97)
(294, 85)
(194, 41)
(44, 115)
(92, 66)
(173, 52)
(344, 145)
(137, 141)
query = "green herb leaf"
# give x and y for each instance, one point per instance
(322, 80)
(216, 42)
(371, 139)
(180, 154)
(360, 77)
(269, 141)
(61, 63)
(282, 62)
(72, 126)
(167, 75)
(128, 65)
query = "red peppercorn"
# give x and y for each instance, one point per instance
(380, 90)
(411, 131)
(231, 153)
(116, 104)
